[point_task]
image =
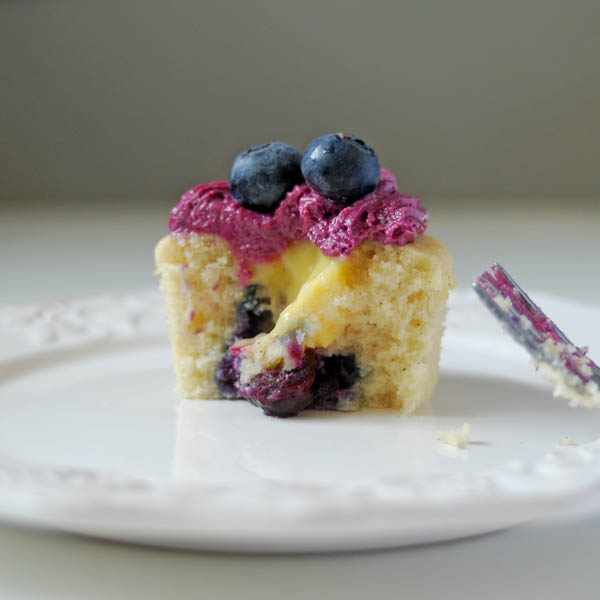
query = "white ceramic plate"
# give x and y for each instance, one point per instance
(94, 441)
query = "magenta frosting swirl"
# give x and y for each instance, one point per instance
(384, 216)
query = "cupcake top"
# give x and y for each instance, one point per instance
(335, 195)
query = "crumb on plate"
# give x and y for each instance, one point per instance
(458, 438)
(565, 440)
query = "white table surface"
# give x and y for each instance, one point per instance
(551, 246)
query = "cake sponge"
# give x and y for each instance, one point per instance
(383, 305)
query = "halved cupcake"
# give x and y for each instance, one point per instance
(305, 282)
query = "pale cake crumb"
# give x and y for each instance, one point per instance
(568, 385)
(504, 303)
(458, 438)
(525, 322)
(565, 440)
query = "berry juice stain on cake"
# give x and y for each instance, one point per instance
(311, 281)
(253, 314)
(253, 317)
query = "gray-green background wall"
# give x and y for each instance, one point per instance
(140, 100)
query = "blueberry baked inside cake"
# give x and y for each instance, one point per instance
(305, 282)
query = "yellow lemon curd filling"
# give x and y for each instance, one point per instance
(299, 285)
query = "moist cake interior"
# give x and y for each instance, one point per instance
(375, 317)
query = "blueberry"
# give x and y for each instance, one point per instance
(283, 393)
(319, 383)
(341, 167)
(261, 176)
(335, 376)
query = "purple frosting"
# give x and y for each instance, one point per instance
(384, 216)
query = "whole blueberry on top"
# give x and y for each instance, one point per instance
(341, 167)
(261, 176)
